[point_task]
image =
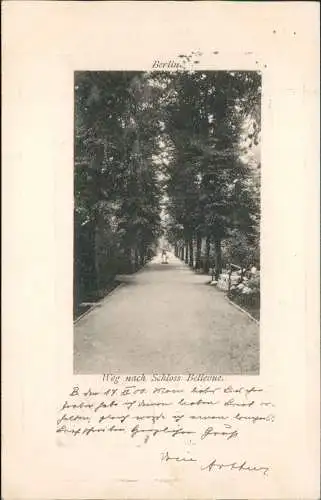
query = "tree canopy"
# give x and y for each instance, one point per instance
(179, 143)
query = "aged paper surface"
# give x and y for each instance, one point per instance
(269, 451)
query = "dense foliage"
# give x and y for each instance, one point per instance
(117, 194)
(164, 142)
(213, 192)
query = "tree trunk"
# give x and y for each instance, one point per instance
(92, 277)
(191, 254)
(198, 252)
(218, 259)
(136, 259)
(186, 252)
(207, 255)
(142, 254)
(127, 265)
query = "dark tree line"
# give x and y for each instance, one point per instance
(148, 140)
(213, 194)
(117, 194)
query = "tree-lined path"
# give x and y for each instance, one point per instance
(166, 160)
(166, 319)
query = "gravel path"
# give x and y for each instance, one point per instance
(166, 319)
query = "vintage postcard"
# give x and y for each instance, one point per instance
(161, 250)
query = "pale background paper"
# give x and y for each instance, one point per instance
(43, 44)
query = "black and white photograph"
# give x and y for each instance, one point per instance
(167, 173)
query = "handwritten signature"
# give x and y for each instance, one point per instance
(214, 465)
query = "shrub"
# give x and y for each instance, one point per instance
(247, 295)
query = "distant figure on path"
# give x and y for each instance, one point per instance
(164, 256)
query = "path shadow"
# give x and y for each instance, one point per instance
(158, 266)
